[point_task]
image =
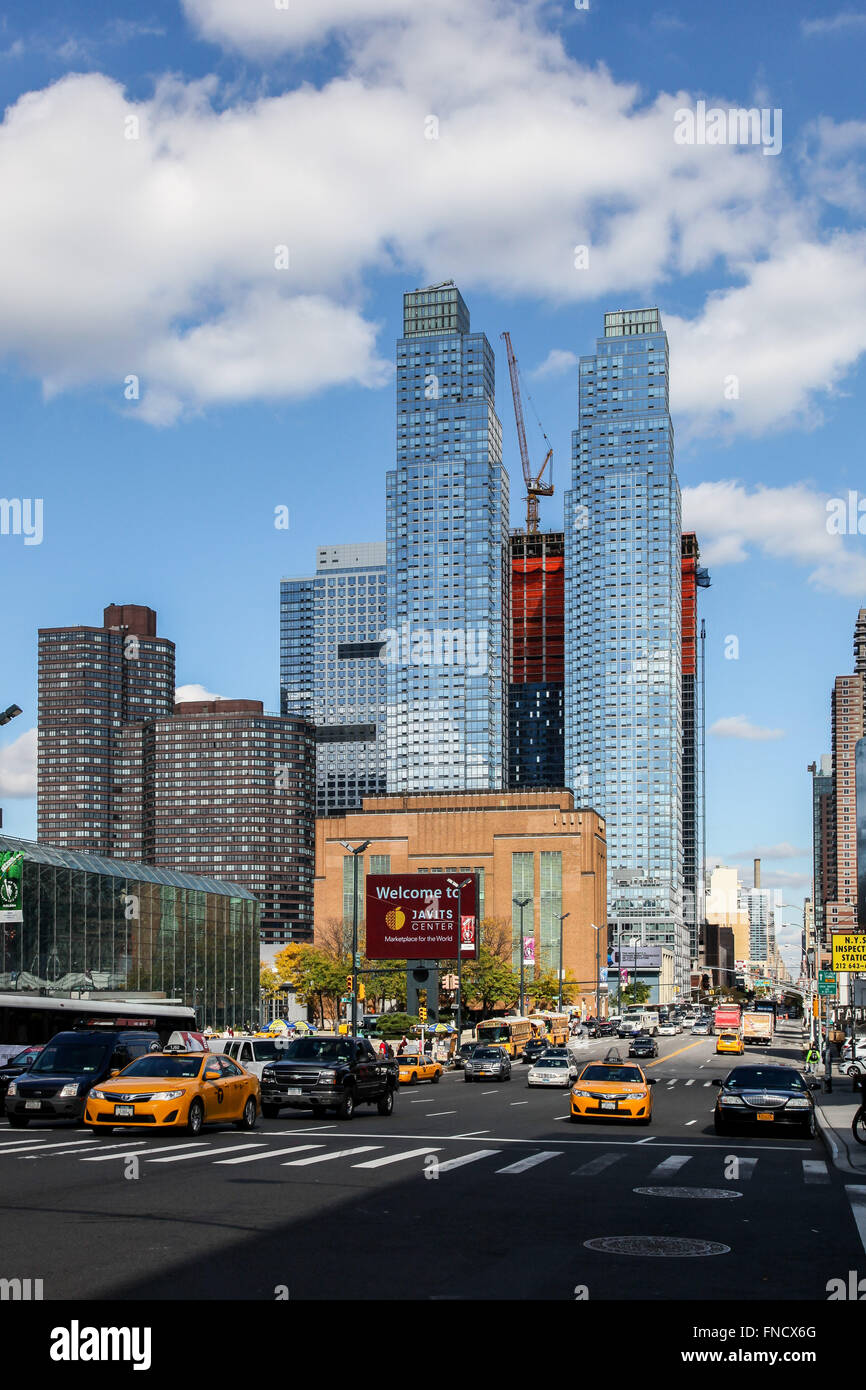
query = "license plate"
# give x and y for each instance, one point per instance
(294, 1091)
(765, 1115)
(124, 1109)
(33, 1105)
(608, 1105)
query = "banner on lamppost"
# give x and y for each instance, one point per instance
(529, 950)
(11, 886)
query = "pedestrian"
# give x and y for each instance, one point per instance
(389, 1051)
(401, 1047)
(383, 1050)
(813, 1057)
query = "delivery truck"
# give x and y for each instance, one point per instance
(757, 1028)
(726, 1018)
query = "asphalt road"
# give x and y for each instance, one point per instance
(482, 1192)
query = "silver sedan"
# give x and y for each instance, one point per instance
(552, 1071)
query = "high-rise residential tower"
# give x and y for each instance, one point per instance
(694, 577)
(93, 681)
(823, 843)
(446, 646)
(536, 750)
(623, 625)
(847, 726)
(331, 628)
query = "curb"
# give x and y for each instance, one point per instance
(837, 1147)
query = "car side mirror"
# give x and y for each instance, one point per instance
(115, 1072)
(651, 1080)
(717, 1081)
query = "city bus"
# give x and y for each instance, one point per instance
(551, 1025)
(30, 1018)
(511, 1033)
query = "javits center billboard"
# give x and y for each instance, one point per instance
(415, 917)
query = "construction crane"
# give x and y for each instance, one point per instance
(535, 488)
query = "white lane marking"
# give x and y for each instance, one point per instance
(395, 1158)
(597, 1165)
(531, 1162)
(691, 1082)
(671, 1165)
(466, 1158)
(307, 1129)
(857, 1198)
(746, 1167)
(325, 1158)
(64, 1144)
(23, 1144)
(648, 1140)
(473, 1133)
(181, 1158)
(104, 1158)
(520, 1102)
(707, 1083)
(489, 1093)
(270, 1153)
(690, 1122)
(431, 1114)
(815, 1170)
(673, 1083)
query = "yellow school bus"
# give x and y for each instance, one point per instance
(552, 1026)
(511, 1033)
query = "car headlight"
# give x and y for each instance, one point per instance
(585, 1094)
(799, 1104)
(635, 1095)
(327, 1078)
(12, 1088)
(731, 1100)
(166, 1095)
(98, 1095)
(70, 1090)
(268, 1074)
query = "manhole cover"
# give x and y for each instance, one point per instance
(686, 1192)
(656, 1246)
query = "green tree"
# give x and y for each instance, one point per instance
(488, 983)
(635, 993)
(316, 977)
(544, 990)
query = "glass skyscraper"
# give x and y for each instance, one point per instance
(446, 648)
(623, 717)
(331, 629)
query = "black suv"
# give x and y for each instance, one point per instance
(329, 1072)
(57, 1083)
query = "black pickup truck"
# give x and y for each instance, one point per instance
(326, 1072)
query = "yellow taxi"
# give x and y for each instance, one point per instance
(730, 1042)
(612, 1089)
(175, 1090)
(415, 1068)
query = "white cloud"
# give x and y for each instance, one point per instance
(556, 363)
(780, 851)
(18, 766)
(773, 878)
(184, 693)
(166, 269)
(840, 23)
(739, 726)
(787, 523)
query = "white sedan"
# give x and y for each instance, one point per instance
(669, 1030)
(552, 1071)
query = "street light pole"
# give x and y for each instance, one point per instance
(597, 986)
(459, 1010)
(521, 903)
(355, 850)
(561, 920)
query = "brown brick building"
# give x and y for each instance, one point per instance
(534, 844)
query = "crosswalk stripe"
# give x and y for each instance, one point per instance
(42, 1146)
(104, 1158)
(707, 1083)
(670, 1165)
(204, 1153)
(395, 1158)
(530, 1162)
(467, 1158)
(691, 1082)
(597, 1165)
(325, 1158)
(815, 1170)
(857, 1198)
(16, 1148)
(269, 1153)
(673, 1083)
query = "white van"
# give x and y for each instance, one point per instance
(251, 1053)
(637, 1017)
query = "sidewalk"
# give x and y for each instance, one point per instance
(835, 1113)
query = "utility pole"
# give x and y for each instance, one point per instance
(521, 903)
(459, 1010)
(355, 851)
(561, 920)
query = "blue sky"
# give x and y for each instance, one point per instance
(154, 160)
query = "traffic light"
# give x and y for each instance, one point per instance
(362, 993)
(422, 1012)
(349, 983)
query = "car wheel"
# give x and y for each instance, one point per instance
(195, 1117)
(413, 1079)
(18, 1121)
(467, 1079)
(720, 1126)
(346, 1108)
(248, 1118)
(810, 1130)
(385, 1103)
(271, 1112)
(437, 1076)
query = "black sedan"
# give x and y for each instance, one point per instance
(533, 1050)
(767, 1098)
(15, 1066)
(643, 1046)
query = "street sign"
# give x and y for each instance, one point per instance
(826, 982)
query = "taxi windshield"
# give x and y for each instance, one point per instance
(602, 1073)
(186, 1067)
